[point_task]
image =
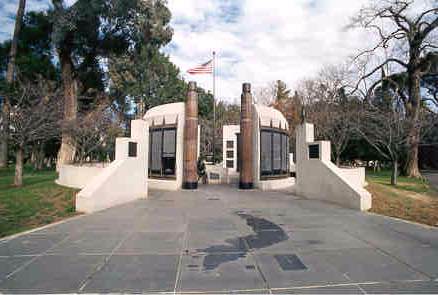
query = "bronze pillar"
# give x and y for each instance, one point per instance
(190, 179)
(246, 181)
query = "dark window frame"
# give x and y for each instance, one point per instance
(284, 156)
(132, 149)
(228, 145)
(314, 152)
(162, 129)
(227, 162)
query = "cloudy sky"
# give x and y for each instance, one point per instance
(256, 41)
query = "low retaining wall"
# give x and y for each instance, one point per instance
(163, 184)
(276, 184)
(76, 176)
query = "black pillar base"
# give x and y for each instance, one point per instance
(246, 185)
(190, 185)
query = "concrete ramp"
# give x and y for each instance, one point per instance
(318, 178)
(125, 179)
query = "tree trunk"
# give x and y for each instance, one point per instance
(18, 180)
(394, 173)
(4, 151)
(9, 79)
(39, 157)
(413, 111)
(67, 150)
(338, 160)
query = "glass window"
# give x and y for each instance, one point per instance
(265, 154)
(230, 154)
(230, 164)
(274, 153)
(162, 148)
(230, 144)
(155, 151)
(169, 143)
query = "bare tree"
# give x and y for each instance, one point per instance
(9, 79)
(408, 38)
(386, 131)
(93, 132)
(329, 107)
(35, 116)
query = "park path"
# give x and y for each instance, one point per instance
(432, 177)
(220, 239)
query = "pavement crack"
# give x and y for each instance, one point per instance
(99, 267)
(20, 268)
(390, 255)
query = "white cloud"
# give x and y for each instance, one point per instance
(257, 41)
(266, 41)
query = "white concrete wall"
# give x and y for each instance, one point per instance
(321, 179)
(75, 176)
(355, 175)
(124, 180)
(291, 162)
(229, 132)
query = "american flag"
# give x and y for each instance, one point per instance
(205, 68)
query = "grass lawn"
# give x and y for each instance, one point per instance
(40, 201)
(411, 199)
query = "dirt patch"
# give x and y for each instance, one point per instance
(413, 206)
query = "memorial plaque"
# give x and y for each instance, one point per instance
(214, 176)
(314, 151)
(132, 149)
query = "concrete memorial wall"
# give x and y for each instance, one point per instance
(163, 149)
(318, 178)
(125, 179)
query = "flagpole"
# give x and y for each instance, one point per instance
(214, 106)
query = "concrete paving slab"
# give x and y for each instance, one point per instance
(52, 274)
(219, 273)
(337, 289)
(30, 244)
(161, 224)
(152, 243)
(10, 264)
(297, 245)
(423, 259)
(215, 242)
(102, 243)
(368, 265)
(211, 224)
(135, 273)
(424, 287)
(309, 240)
(317, 272)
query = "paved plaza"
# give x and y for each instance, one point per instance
(219, 239)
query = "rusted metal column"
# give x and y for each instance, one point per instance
(190, 179)
(246, 177)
